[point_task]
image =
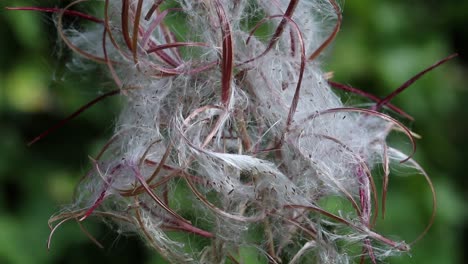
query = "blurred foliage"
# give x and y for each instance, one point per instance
(381, 45)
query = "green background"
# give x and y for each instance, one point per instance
(381, 45)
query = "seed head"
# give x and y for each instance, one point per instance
(230, 132)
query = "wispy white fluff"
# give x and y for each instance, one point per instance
(240, 158)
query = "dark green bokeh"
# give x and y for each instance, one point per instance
(381, 45)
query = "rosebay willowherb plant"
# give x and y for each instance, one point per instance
(231, 134)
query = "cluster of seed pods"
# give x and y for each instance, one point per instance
(231, 133)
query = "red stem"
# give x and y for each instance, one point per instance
(57, 10)
(73, 115)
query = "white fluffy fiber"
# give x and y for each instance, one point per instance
(242, 160)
